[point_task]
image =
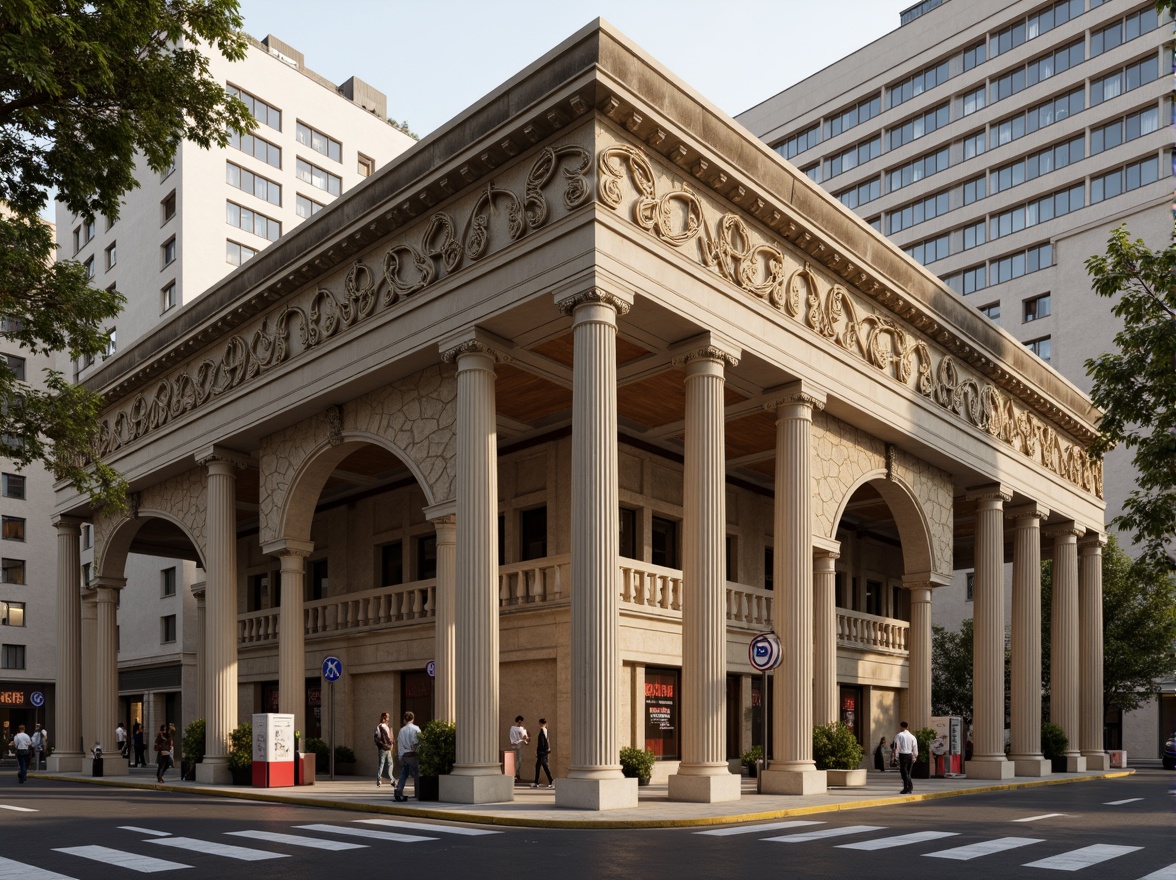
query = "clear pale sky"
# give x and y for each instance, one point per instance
(433, 58)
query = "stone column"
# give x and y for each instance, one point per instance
(106, 674)
(476, 777)
(988, 651)
(594, 779)
(291, 627)
(198, 710)
(1025, 703)
(919, 683)
(1092, 711)
(792, 770)
(824, 637)
(1063, 661)
(445, 522)
(90, 732)
(67, 738)
(221, 597)
(704, 776)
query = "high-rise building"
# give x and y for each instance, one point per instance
(998, 144)
(178, 235)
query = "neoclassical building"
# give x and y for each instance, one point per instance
(571, 401)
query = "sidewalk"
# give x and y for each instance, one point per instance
(536, 807)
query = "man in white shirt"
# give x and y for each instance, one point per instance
(40, 740)
(518, 736)
(23, 744)
(406, 743)
(908, 749)
(120, 737)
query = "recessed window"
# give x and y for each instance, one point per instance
(366, 165)
(319, 177)
(1036, 307)
(769, 567)
(251, 221)
(305, 207)
(167, 297)
(245, 180)
(12, 571)
(87, 536)
(88, 230)
(991, 311)
(318, 580)
(628, 526)
(664, 542)
(970, 586)
(77, 239)
(111, 342)
(86, 570)
(258, 148)
(426, 560)
(89, 267)
(168, 206)
(112, 256)
(533, 534)
(17, 366)
(12, 613)
(12, 656)
(167, 628)
(237, 253)
(168, 251)
(1040, 347)
(12, 485)
(392, 564)
(167, 582)
(732, 559)
(262, 111)
(319, 142)
(12, 528)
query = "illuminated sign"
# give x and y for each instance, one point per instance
(12, 698)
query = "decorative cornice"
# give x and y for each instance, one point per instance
(710, 353)
(1064, 531)
(474, 346)
(1023, 512)
(220, 453)
(595, 296)
(994, 492)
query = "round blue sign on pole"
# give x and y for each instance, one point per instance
(37, 699)
(431, 668)
(764, 652)
(332, 668)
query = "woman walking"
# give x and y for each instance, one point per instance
(880, 755)
(163, 752)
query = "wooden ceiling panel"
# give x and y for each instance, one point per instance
(560, 350)
(751, 434)
(525, 397)
(654, 401)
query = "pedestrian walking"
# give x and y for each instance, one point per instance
(880, 755)
(542, 751)
(383, 739)
(163, 752)
(39, 739)
(908, 749)
(518, 738)
(23, 744)
(406, 744)
(120, 738)
(139, 744)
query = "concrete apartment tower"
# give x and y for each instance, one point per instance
(179, 234)
(999, 144)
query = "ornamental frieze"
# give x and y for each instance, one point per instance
(444, 244)
(726, 244)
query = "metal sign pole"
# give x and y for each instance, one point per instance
(332, 701)
(767, 708)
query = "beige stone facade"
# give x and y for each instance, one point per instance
(574, 400)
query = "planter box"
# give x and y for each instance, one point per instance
(243, 775)
(345, 768)
(921, 770)
(428, 788)
(1058, 765)
(845, 778)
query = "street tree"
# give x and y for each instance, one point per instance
(952, 658)
(1135, 387)
(87, 89)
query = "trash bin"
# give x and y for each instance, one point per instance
(97, 767)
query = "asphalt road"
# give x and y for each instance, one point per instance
(1115, 828)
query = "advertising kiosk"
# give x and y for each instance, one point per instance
(273, 750)
(947, 749)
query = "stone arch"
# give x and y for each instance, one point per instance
(914, 528)
(111, 555)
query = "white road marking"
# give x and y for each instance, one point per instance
(120, 859)
(444, 829)
(139, 830)
(1120, 803)
(209, 847)
(18, 809)
(899, 840)
(298, 840)
(10, 870)
(1168, 873)
(984, 848)
(755, 829)
(1042, 816)
(806, 836)
(1083, 858)
(365, 832)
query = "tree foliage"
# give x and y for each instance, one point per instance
(405, 128)
(1139, 627)
(86, 88)
(1136, 387)
(952, 656)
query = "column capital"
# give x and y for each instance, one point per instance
(288, 547)
(707, 347)
(474, 340)
(568, 303)
(214, 453)
(1023, 514)
(67, 525)
(1092, 543)
(925, 580)
(198, 590)
(444, 512)
(804, 393)
(991, 492)
(1063, 530)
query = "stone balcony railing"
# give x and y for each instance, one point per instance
(644, 589)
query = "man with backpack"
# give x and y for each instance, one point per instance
(383, 740)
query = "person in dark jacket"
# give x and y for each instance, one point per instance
(163, 751)
(880, 755)
(542, 750)
(139, 742)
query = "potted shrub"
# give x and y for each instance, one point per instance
(193, 748)
(837, 752)
(922, 767)
(436, 753)
(344, 761)
(1054, 743)
(637, 764)
(241, 754)
(322, 754)
(751, 758)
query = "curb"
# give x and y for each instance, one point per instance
(581, 824)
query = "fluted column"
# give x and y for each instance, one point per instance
(824, 637)
(291, 627)
(988, 650)
(221, 610)
(67, 755)
(1063, 660)
(1092, 710)
(793, 770)
(106, 672)
(1025, 702)
(919, 649)
(704, 776)
(594, 779)
(476, 776)
(90, 732)
(445, 522)
(198, 710)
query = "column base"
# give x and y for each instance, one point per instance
(1075, 764)
(490, 789)
(705, 789)
(1032, 766)
(577, 793)
(793, 782)
(990, 768)
(214, 772)
(1097, 760)
(64, 762)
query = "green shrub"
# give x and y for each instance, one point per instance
(322, 753)
(925, 736)
(437, 748)
(1054, 741)
(241, 747)
(343, 755)
(752, 756)
(193, 744)
(637, 763)
(835, 747)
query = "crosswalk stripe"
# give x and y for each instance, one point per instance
(1120, 803)
(366, 832)
(10, 870)
(899, 840)
(139, 830)
(1083, 858)
(444, 829)
(806, 836)
(298, 840)
(1168, 873)
(1042, 816)
(983, 848)
(120, 859)
(756, 829)
(212, 848)
(18, 809)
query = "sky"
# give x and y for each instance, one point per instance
(434, 58)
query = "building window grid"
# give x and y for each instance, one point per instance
(1037, 211)
(919, 126)
(1127, 79)
(305, 207)
(1125, 129)
(12, 613)
(1130, 177)
(793, 146)
(914, 85)
(1035, 308)
(257, 147)
(918, 212)
(863, 111)
(930, 250)
(251, 221)
(319, 142)
(851, 158)
(12, 656)
(12, 571)
(1037, 70)
(990, 311)
(918, 169)
(974, 144)
(263, 112)
(246, 181)
(319, 177)
(236, 253)
(1038, 164)
(1041, 347)
(1124, 30)
(861, 194)
(12, 486)
(974, 100)
(975, 189)
(1035, 25)
(974, 235)
(12, 528)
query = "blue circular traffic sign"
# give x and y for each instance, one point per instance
(37, 699)
(764, 652)
(431, 668)
(332, 668)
